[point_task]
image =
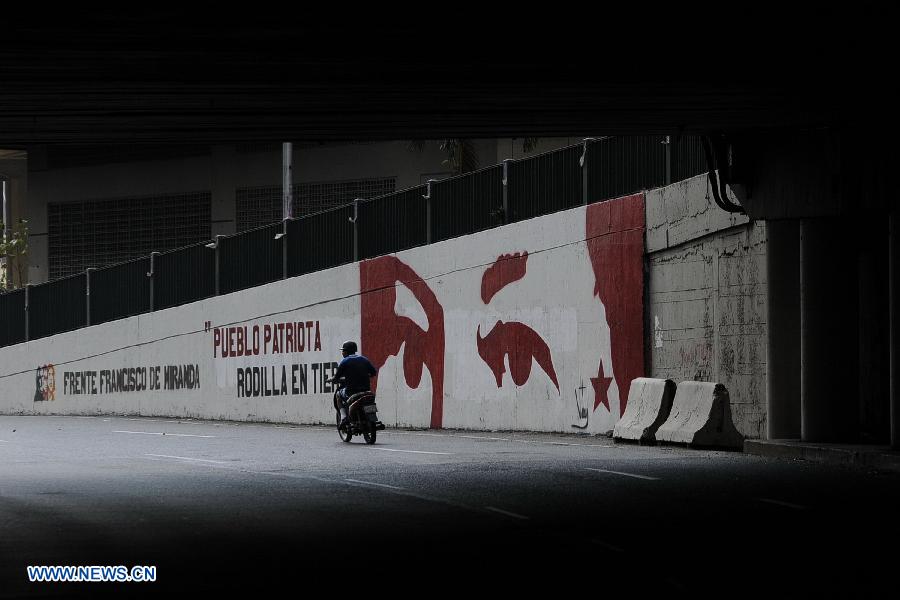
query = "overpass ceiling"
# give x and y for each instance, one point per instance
(173, 77)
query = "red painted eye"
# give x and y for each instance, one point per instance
(522, 344)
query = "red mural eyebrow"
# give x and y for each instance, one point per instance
(505, 270)
(522, 344)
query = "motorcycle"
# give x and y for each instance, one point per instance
(362, 416)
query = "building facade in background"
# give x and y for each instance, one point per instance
(90, 207)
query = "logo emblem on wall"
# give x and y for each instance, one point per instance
(44, 383)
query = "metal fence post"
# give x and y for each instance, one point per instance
(152, 276)
(27, 313)
(583, 161)
(355, 230)
(218, 244)
(427, 196)
(284, 248)
(505, 206)
(668, 143)
(87, 280)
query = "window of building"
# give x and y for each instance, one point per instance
(94, 233)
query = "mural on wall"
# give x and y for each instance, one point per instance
(573, 322)
(45, 383)
(516, 343)
(131, 379)
(537, 325)
(258, 359)
(615, 239)
(384, 331)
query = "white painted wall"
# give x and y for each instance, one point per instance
(555, 298)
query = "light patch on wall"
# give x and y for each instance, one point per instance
(657, 332)
(406, 305)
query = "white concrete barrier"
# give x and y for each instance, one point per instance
(700, 416)
(649, 404)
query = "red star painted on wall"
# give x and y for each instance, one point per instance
(601, 387)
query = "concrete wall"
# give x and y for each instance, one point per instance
(535, 326)
(706, 297)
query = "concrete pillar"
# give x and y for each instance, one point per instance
(895, 328)
(829, 315)
(874, 334)
(783, 325)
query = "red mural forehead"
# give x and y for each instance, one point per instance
(384, 331)
(615, 238)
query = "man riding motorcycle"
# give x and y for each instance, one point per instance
(355, 370)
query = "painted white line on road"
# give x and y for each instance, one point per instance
(782, 503)
(624, 474)
(161, 433)
(506, 512)
(384, 485)
(6, 442)
(411, 451)
(413, 433)
(567, 444)
(203, 460)
(607, 545)
(482, 437)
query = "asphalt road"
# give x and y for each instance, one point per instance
(249, 508)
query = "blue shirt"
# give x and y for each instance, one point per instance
(356, 370)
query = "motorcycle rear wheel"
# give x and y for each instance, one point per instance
(345, 434)
(370, 434)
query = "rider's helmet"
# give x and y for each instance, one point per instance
(349, 347)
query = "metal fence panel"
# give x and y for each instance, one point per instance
(12, 317)
(119, 291)
(320, 241)
(392, 223)
(249, 259)
(544, 184)
(687, 158)
(466, 204)
(623, 165)
(184, 275)
(57, 306)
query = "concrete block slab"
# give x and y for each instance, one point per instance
(700, 417)
(649, 403)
